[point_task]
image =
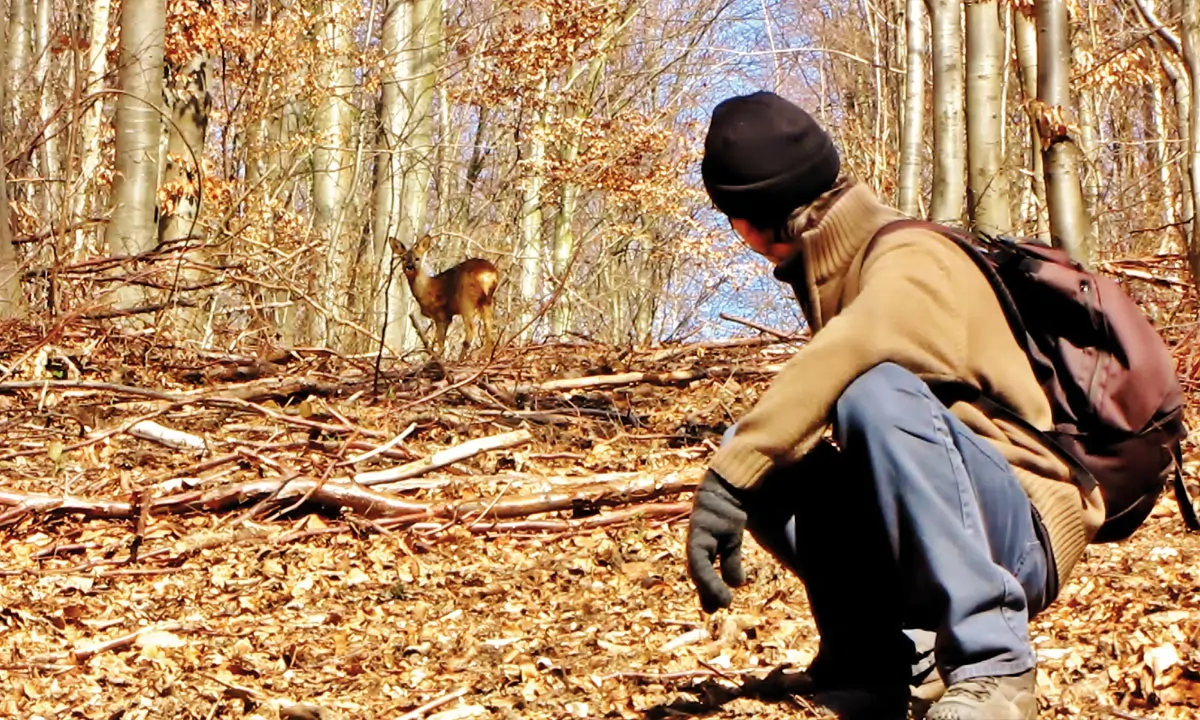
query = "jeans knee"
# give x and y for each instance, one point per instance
(872, 399)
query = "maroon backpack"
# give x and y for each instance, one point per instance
(1116, 399)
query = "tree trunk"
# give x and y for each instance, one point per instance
(878, 141)
(48, 154)
(188, 101)
(531, 208)
(1191, 56)
(89, 123)
(563, 243)
(1088, 151)
(1170, 48)
(20, 38)
(412, 41)
(332, 176)
(1034, 203)
(11, 299)
(987, 190)
(1070, 228)
(949, 132)
(393, 298)
(132, 229)
(912, 141)
(1182, 87)
(1162, 159)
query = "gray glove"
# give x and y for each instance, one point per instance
(715, 530)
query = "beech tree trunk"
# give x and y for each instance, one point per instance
(1191, 56)
(11, 298)
(133, 229)
(949, 130)
(89, 124)
(1070, 227)
(912, 140)
(1034, 203)
(987, 189)
(332, 175)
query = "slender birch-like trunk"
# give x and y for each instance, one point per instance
(1034, 192)
(1070, 227)
(912, 140)
(949, 130)
(987, 185)
(1191, 56)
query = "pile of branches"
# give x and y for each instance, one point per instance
(127, 427)
(559, 438)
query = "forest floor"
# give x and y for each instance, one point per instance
(318, 542)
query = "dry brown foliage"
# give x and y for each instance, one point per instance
(500, 604)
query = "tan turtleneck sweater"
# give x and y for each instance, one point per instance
(919, 301)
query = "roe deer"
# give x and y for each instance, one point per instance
(465, 289)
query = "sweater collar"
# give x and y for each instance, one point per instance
(827, 250)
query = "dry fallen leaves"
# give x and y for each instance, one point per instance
(312, 616)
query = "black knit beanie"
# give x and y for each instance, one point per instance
(764, 157)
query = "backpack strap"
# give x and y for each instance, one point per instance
(1187, 507)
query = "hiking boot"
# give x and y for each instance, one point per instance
(926, 688)
(1007, 697)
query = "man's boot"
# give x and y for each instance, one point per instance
(1008, 697)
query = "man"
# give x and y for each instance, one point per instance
(865, 468)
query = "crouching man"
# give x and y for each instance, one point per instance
(900, 507)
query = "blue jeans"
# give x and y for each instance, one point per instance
(912, 523)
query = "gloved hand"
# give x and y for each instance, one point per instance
(715, 530)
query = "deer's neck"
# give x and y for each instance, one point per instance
(421, 284)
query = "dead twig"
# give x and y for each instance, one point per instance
(633, 378)
(786, 337)
(380, 449)
(442, 458)
(84, 651)
(436, 702)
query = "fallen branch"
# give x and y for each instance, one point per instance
(653, 378)
(8, 387)
(436, 702)
(442, 458)
(84, 651)
(361, 500)
(276, 387)
(150, 430)
(670, 353)
(581, 499)
(585, 498)
(22, 503)
(207, 398)
(382, 448)
(651, 511)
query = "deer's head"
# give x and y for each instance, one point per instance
(410, 257)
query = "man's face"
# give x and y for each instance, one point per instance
(762, 242)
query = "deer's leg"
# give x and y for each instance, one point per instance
(468, 316)
(489, 332)
(439, 342)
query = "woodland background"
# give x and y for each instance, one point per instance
(232, 170)
(233, 487)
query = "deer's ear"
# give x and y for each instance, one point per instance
(422, 245)
(397, 248)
